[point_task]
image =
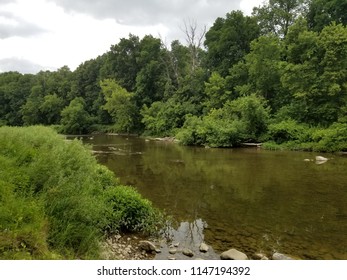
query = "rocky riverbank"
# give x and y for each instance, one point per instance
(132, 247)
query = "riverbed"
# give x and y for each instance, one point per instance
(248, 198)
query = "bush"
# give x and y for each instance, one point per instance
(244, 119)
(189, 133)
(130, 212)
(331, 139)
(292, 136)
(288, 130)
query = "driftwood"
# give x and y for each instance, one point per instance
(255, 145)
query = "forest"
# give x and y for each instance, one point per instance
(278, 77)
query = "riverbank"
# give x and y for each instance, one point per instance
(134, 247)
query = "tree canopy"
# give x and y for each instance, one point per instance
(287, 60)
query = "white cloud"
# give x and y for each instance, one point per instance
(247, 5)
(54, 33)
(70, 38)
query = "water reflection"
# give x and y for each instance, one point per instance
(187, 235)
(251, 199)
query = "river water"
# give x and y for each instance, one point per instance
(249, 199)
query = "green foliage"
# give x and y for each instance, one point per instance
(14, 90)
(216, 92)
(243, 119)
(130, 212)
(23, 226)
(56, 201)
(276, 16)
(119, 104)
(74, 118)
(288, 130)
(293, 136)
(317, 76)
(323, 12)
(228, 40)
(163, 118)
(331, 139)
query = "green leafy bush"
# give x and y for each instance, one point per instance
(288, 130)
(331, 139)
(243, 119)
(130, 212)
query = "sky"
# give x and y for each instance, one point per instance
(48, 34)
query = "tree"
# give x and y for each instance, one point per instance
(228, 40)
(31, 109)
(216, 92)
(74, 118)
(14, 90)
(317, 77)
(323, 12)
(122, 62)
(194, 41)
(119, 104)
(278, 15)
(51, 108)
(264, 69)
(151, 78)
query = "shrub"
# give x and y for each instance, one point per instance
(130, 212)
(244, 119)
(331, 139)
(288, 130)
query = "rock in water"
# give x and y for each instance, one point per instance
(233, 254)
(320, 160)
(203, 248)
(260, 256)
(147, 246)
(279, 256)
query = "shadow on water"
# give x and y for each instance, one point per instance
(249, 199)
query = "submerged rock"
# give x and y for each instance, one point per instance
(233, 254)
(279, 256)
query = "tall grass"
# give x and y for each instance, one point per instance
(56, 200)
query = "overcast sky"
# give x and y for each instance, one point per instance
(48, 34)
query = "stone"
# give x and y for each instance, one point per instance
(173, 251)
(203, 248)
(188, 252)
(233, 254)
(279, 256)
(260, 256)
(147, 246)
(320, 159)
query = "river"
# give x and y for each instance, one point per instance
(249, 199)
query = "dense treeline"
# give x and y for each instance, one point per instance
(279, 76)
(57, 202)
